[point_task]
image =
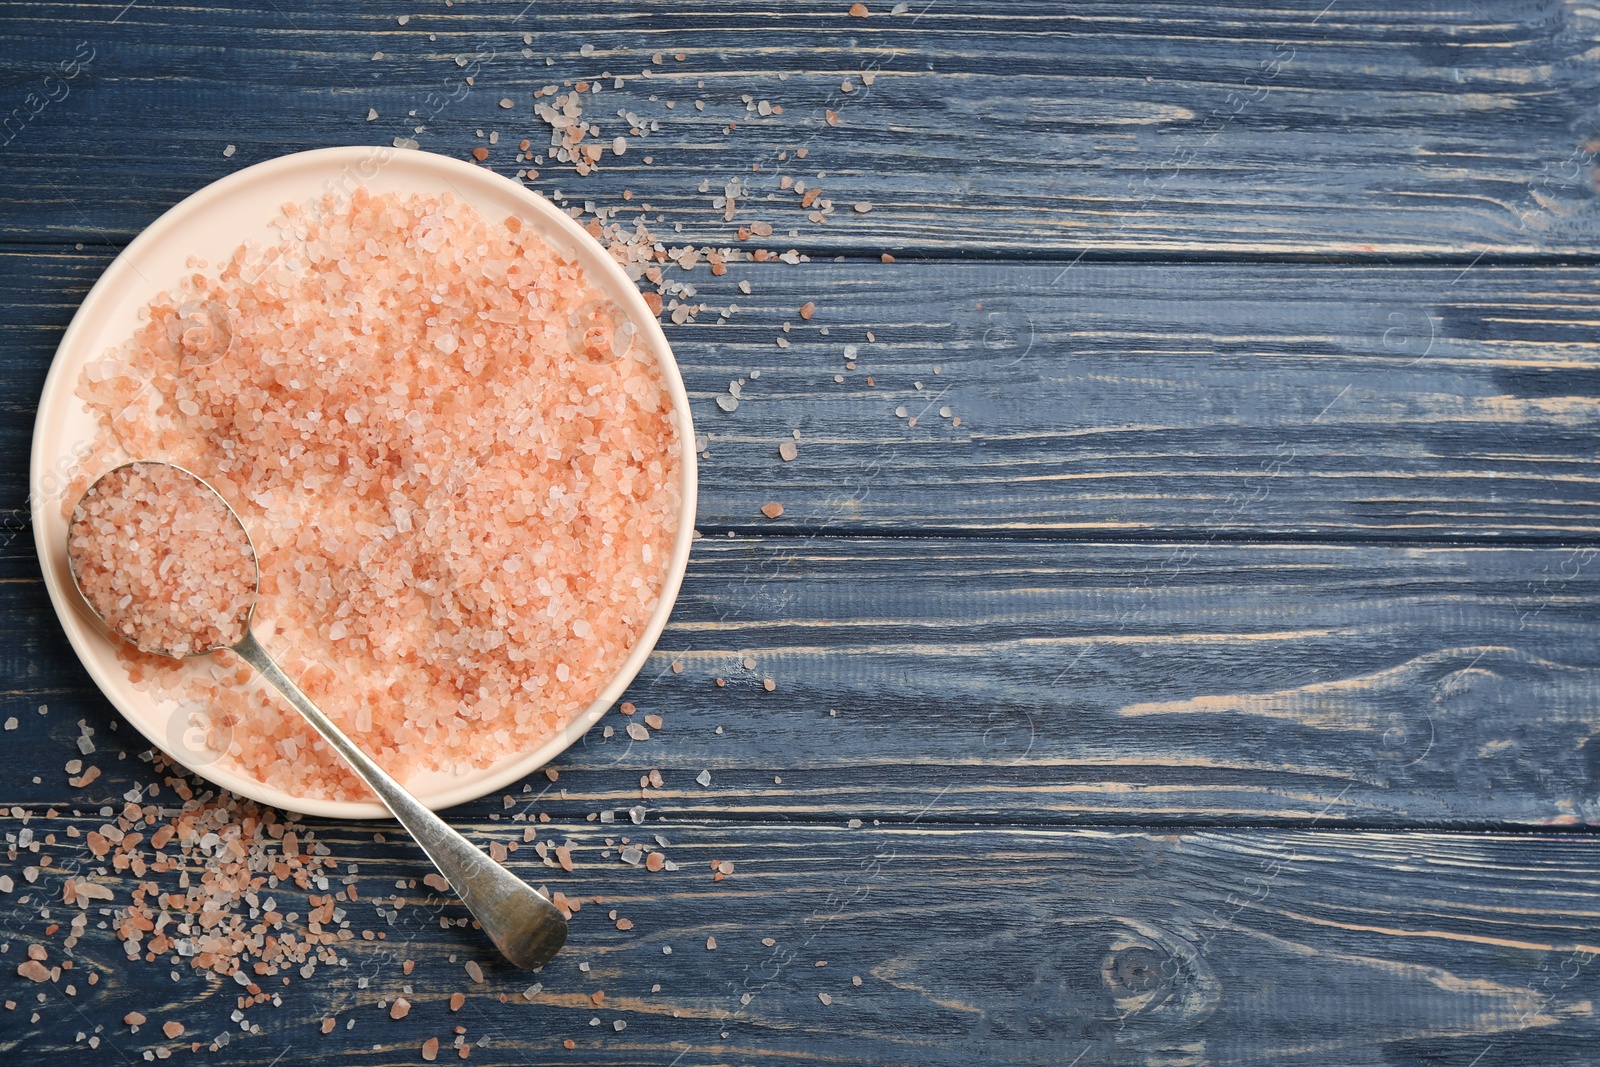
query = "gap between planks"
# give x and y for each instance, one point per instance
(43, 245)
(475, 823)
(1154, 538)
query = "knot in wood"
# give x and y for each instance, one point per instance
(1134, 970)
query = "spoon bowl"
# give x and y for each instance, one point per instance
(209, 509)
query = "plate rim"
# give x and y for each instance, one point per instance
(64, 599)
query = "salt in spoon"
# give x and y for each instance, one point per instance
(202, 601)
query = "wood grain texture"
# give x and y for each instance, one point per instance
(1282, 521)
(1414, 128)
(1142, 400)
(997, 945)
(1157, 684)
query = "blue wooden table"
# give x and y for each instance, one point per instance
(1183, 614)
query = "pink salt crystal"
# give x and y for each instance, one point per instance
(161, 560)
(459, 469)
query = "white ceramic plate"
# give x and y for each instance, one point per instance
(211, 224)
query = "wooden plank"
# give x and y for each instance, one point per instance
(1144, 400)
(1414, 128)
(1203, 401)
(971, 945)
(1047, 682)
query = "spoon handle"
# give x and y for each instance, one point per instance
(525, 926)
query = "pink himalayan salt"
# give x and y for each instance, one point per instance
(162, 560)
(459, 470)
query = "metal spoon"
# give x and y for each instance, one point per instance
(524, 926)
